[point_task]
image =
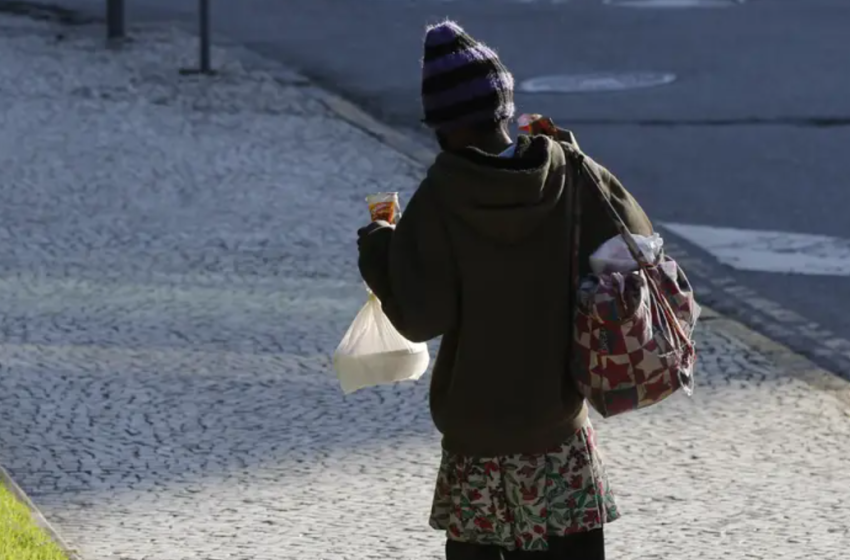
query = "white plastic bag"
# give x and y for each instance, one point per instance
(614, 255)
(373, 352)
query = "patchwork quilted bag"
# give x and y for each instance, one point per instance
(632, 336)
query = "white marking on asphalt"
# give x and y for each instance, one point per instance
(770, 251)
(673, 4)
(596, 81)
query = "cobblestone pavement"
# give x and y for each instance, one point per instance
(177, 266)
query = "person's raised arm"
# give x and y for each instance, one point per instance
(411, 269)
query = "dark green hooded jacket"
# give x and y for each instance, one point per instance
(480, 257)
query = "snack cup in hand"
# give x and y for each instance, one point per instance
(383, 206)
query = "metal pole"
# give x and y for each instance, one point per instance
(204, 32)
(204, 58)
(115, 19)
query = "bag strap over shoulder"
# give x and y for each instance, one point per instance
(574, 213)
(580, 162)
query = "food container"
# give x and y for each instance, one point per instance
(384, 206)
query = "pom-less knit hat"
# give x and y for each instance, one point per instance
(463, 81)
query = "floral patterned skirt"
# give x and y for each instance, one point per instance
(518, 501)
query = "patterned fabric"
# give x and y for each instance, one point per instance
(519, 501)
(629, 352)
(463, 81)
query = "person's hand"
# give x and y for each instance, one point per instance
(372, 228)
(373, 243)
(364, 231)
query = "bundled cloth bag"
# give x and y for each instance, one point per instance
(634, 316)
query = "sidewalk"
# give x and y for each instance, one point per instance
(179, 263)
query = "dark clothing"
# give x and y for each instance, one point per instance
(580, 546)
(480, 258)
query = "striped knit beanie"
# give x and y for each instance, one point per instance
(463, 81)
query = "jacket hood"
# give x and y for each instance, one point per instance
(504, 199)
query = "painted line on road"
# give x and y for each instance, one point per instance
(596, 82)
(673, 4)
(769, 251)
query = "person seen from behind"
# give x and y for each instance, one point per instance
(481, 258)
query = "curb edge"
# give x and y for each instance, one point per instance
(36, 514)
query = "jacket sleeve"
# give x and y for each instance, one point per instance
(412, 270)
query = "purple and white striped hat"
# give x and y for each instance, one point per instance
(463, 81)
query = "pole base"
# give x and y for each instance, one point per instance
(197, 72)
(118, 42)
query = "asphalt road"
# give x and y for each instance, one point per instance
(751, 134)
